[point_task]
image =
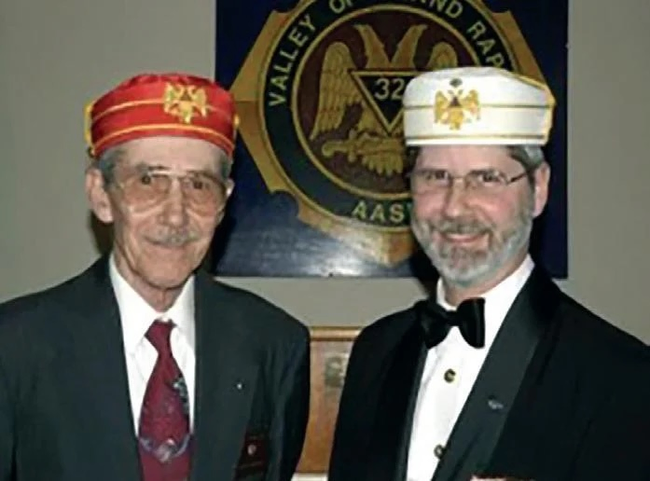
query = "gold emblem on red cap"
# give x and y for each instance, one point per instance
(456, 109)
(185, 101)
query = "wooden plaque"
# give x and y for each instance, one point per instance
(330, 350)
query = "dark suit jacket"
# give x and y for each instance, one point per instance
(64, 400)
(562, 396)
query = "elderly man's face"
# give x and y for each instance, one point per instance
(476, 229)
(167, 197)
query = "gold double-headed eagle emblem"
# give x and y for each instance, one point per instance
(456, 108)
(185, 101)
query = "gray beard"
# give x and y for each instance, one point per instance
(476, 268)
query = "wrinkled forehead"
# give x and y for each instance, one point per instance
(173, 153)
(463, 157)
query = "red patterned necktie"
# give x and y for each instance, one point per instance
(164, 434)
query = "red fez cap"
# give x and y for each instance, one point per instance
(162, 104)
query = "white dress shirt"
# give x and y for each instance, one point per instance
(450, 370)
(136, 317)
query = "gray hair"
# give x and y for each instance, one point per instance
(531, 157)
(225, 164)
(107, 162)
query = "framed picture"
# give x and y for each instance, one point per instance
(330, 350)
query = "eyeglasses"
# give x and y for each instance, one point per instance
(483, 181)
(145, 188)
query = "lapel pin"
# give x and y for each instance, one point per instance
(239, 386)
(494, 404)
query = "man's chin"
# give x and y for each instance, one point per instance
(460, 260)
(167, 280)
(462, 272)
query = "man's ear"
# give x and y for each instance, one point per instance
(98, 196)
(230, 185)
(542, 179)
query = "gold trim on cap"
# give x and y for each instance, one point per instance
(138, 128)
(534, 83)
(125, 105)
(490, 106)
(137, 103)
(473, 136)
(88, 136)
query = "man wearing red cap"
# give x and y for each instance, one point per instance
(143, 367)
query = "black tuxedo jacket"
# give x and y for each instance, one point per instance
(562, 396)
(64, 399)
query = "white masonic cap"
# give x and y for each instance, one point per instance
(476, 105)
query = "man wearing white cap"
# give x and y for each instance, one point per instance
(498, 375)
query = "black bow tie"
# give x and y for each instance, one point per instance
(437, 321)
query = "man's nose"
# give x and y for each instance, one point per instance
(175, 204)
(455, 199)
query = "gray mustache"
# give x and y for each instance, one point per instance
(175, 239)
(461, 227)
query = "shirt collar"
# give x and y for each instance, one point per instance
(136, 315)
(498, 300)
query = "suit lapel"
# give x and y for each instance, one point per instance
(226, 372)
(481, 421)
(392, 427)
(92, 378)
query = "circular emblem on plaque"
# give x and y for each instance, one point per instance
(333, 88)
